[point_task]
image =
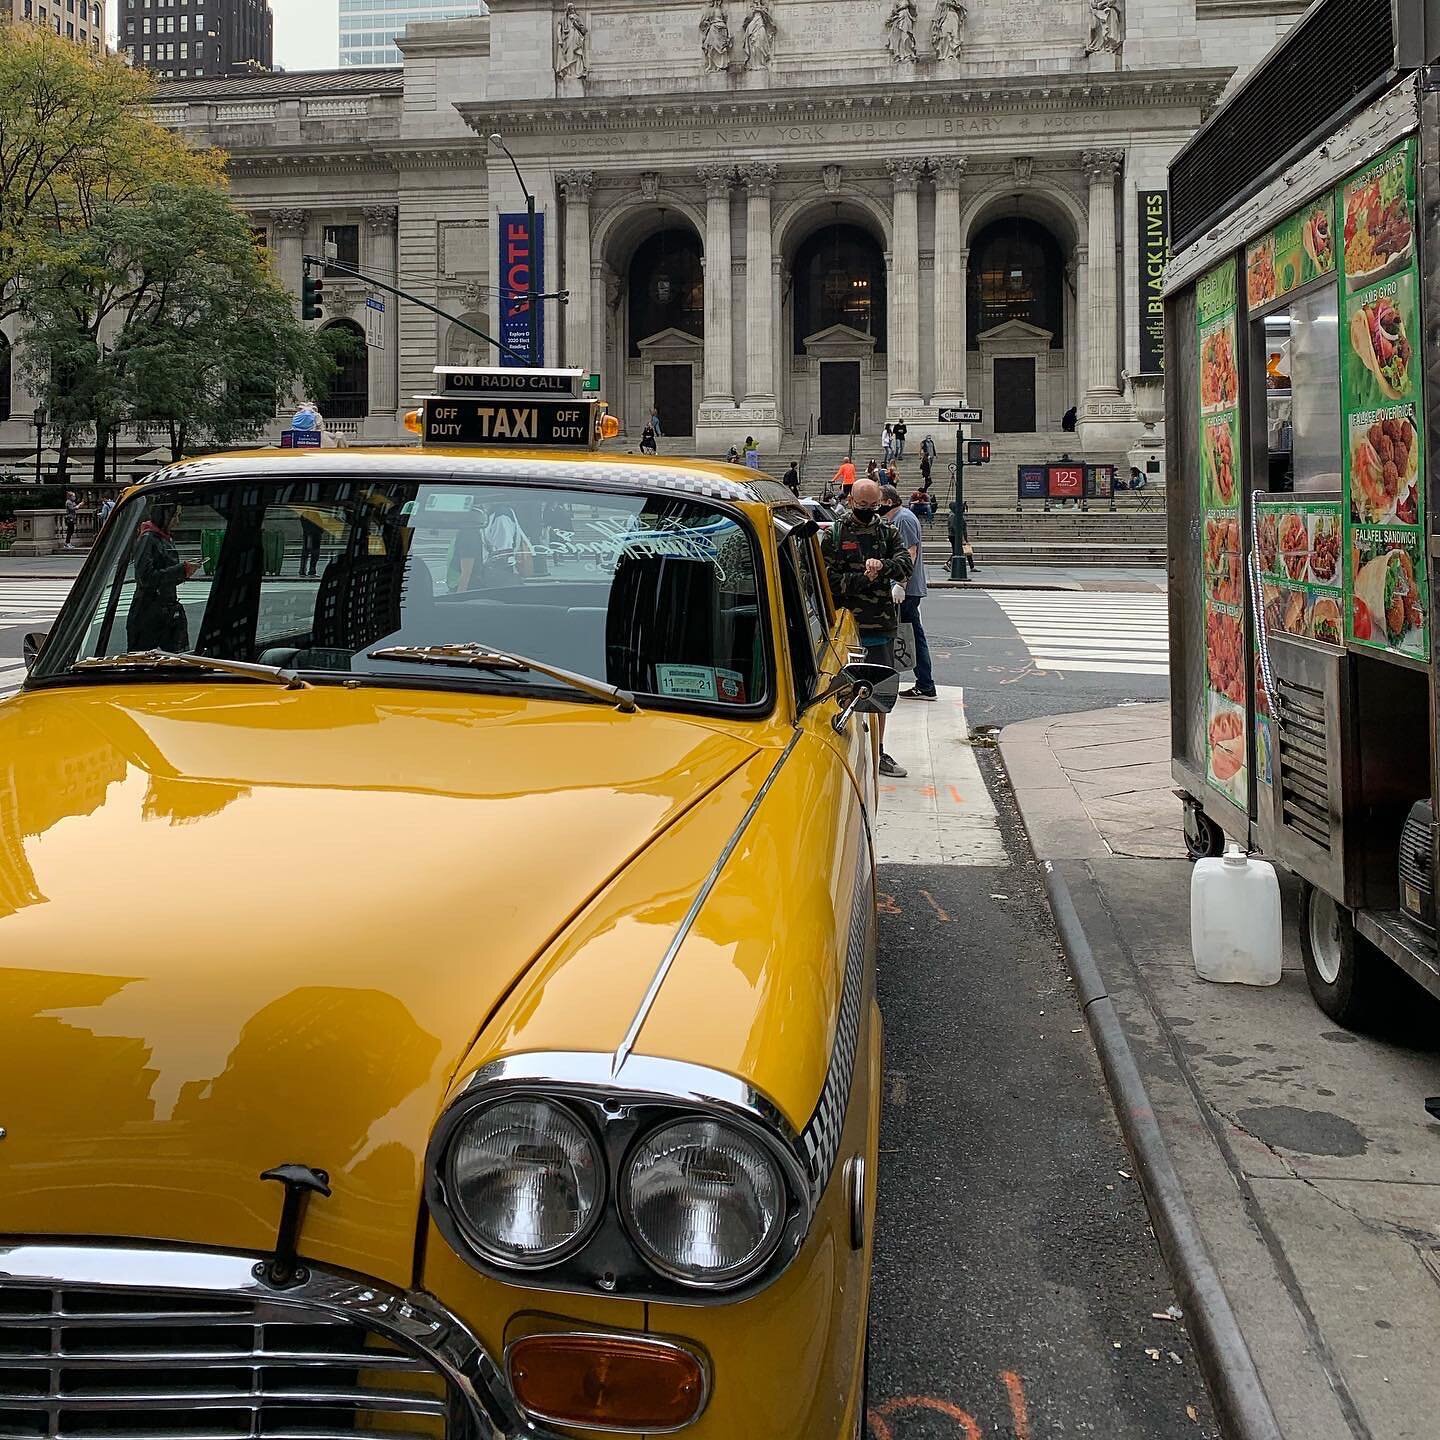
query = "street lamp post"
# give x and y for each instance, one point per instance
(532, 295)
(40, 418)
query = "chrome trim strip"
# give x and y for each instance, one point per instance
(627, 1044)
(652, 1342)
(412, 1319)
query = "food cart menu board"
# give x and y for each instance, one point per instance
(1225, 709)
(1380, 386)
(1299, 546)
(1297, 251)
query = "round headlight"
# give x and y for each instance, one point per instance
(525, 1181)
(704, 1204)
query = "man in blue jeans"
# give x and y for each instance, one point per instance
(905, 521)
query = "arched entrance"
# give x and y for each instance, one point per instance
(1020, 308)
(665, 328)
(349, 395)
(837, 323)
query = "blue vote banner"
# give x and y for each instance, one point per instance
(1034, 482)
(517, 325)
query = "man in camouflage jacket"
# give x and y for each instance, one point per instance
(864, 557)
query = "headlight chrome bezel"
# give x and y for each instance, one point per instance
(618, 1114)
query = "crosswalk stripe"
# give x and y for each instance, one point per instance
(1091, 632)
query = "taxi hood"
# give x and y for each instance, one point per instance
(243, 927)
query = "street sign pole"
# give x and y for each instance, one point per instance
(959, 570)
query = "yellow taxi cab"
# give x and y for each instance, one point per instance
(437, 930)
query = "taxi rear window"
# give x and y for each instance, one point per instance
(659, 594)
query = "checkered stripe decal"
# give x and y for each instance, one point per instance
(822, 1135)
(600, 474)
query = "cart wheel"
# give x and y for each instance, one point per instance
(1204, 839)
(1348, 976)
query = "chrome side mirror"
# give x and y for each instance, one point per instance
(32, 645)
(870, 690)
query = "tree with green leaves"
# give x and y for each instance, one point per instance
(164, 310)
(76, 135)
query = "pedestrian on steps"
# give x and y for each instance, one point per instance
(900, 431)
(792, 479)
(887, 442)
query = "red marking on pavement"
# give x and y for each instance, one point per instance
(935, 906)
(886, 905)
(880, 1418)
(1019, 1410)
(927, 792)
(956, 796)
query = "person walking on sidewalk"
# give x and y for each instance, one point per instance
(864, 557)
(908, 524)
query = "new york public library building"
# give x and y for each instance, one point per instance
(771, 216)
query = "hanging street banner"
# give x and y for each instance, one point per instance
(519, 276)
(1153, 207)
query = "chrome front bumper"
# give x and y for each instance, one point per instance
(35, 1280)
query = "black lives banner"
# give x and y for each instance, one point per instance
(1154, 218)
(526, 424)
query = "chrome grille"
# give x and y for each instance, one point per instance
(94, 1364)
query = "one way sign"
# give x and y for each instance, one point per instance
(961, 416)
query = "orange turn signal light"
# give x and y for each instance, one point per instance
(415, 421)
(609, 427)
(608, 1382)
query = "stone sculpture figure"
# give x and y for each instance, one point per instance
(716, 41)
(759, 35)
(572, 45)
(1107, 27)
(901, 25)
(947, 34)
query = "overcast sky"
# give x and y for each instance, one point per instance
(307, 33)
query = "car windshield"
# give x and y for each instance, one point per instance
(656, 595)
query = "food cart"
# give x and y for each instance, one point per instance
(1303, 420)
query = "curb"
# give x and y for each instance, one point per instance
(1236, 1392)
(999, 585)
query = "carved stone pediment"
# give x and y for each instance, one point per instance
(839, 342)
(671, 344)
(1014, 337)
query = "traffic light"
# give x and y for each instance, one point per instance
(312, 305)
(979, 453)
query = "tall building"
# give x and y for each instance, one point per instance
(368, 27)
(181, 39)
(80, 20)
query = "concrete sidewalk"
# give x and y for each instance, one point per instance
(1304, 1150)
(65, 565)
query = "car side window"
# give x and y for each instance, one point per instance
(804, 628)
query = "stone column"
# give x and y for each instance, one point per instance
(380, 222)
(287, 228)
(579, 341)
(719, 371)
(717, 421)
(600, 336)
(762, 409)
(905, 287)
(950, 278)
(1102, 329)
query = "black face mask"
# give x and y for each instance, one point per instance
(863, 514)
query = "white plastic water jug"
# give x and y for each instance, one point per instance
(1235, 926)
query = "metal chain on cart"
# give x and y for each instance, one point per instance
(1257, 599)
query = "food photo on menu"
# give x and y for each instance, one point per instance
(1389, 601)
(1219, 379)
(1226, 737)
(1225, 654)
(1384, 467)
(1218, 459)
(1382, 330)
(1318, 237)
(1379, 235)
(1260, 286)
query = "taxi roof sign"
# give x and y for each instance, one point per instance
(494, 380)
(529, 422)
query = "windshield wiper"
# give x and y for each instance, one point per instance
(176, 660)
(481, 657)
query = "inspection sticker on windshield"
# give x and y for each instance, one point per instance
(700, 682)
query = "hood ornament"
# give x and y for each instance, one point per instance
(301, 1182)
